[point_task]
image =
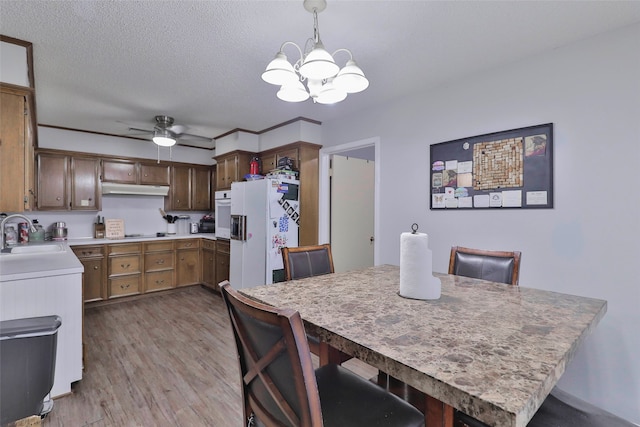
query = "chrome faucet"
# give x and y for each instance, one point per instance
(6, 219)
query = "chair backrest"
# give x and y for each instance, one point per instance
(307, 261)
(497, 266)
(278, 378)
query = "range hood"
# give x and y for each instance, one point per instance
(134, 189)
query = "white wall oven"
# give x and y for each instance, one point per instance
(223, 214)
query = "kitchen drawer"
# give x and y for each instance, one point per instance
(125, 285)
(125, 248)
(88, 251)
(188, 244)
(124, 265)
(158, 246)
(209, 244)
(158, 280)
(158, 261)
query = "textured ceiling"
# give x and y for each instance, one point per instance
(105, 66)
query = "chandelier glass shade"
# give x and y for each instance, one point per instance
(164, 137)
(326, 83)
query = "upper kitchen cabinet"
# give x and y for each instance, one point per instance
(67, 182)
(154, 174)
(16, 150)
(201, 190)
(231, 167)
(130, 172)
(304, 158)
(190, 189)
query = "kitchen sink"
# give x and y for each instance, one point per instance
(35, 249)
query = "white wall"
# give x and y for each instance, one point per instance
(588, 244)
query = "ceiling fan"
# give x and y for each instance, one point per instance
(166, 134)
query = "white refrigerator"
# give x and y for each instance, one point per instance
(265, 217)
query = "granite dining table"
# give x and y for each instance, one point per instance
(491, 350)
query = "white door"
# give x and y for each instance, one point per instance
(352, 213)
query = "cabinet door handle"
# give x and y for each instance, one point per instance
(58, 198)
(95, 267)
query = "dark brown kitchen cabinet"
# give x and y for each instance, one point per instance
(124, 269)
(67, 182)
(231, 167)
(159, 261)
(180, 190)
(132, 172)
(85, 178)
(121, 171)
(16, 151)
(208, 262)
(94, 277)
(187, 262)
(223, 256)
(269, 159)
(190, 189)
(154, 174)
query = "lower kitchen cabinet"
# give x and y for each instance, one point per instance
(159, 266)
(223, 257)
(125, 273)
(208, 261)
(187, 262)
(94, 278)
(118, 270)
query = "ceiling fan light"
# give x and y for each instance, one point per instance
(279, 71)
(163, 138)
(351, 79)
(293, 92)
(318, 64)
(330, 94)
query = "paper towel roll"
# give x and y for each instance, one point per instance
(416, 273)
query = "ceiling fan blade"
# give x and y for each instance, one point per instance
(141, 130)
(177, 129)
(192, 136)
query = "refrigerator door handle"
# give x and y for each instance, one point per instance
(238, 227)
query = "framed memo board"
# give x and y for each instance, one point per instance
(500, 170)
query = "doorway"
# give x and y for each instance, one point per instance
(365, 153)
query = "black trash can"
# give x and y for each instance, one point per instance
(27, 366)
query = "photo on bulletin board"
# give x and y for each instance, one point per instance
(510, 169)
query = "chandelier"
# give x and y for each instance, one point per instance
(326, 82)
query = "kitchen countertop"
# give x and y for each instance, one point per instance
(34, 265)
(144, 238)
(46, 264)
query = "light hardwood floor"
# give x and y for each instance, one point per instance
(165, 360)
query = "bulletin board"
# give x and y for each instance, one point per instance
(510, 169)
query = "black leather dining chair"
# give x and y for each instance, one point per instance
(496, 266)
(307, 261)
(280, 386)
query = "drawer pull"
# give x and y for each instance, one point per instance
(125, 266)
(160, 261)
(125, 286)
(188, 244)
(159, 282)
